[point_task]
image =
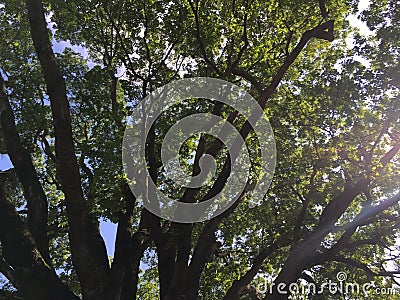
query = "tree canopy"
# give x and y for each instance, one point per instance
(329, 90)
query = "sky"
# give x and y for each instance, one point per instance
(108, 229)
(355, 22)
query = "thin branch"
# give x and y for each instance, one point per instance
(356, 264)
(238, 286)
(199, 39)
(121, 40)
(243, 48)
(322, 8)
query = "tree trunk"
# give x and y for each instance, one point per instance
(33, 278)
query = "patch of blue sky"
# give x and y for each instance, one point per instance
(5, 162)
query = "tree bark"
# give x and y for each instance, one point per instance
(33, 277)
(88, 250)
(22, 162)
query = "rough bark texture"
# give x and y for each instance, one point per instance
(22, 162)
(88, 250)
(33, 277)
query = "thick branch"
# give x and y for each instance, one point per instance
(88, 250)
(7, 271)
(122, 265)
(203, 248)
(306, 254)
(22, 162)
(337, 206)
(238, 286)
(32, 276)
(363, 216)
(323, 31)
(205, 243)
(300, 217)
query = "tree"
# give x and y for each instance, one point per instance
(333, 203)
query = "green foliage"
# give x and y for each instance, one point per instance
(333, 117)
